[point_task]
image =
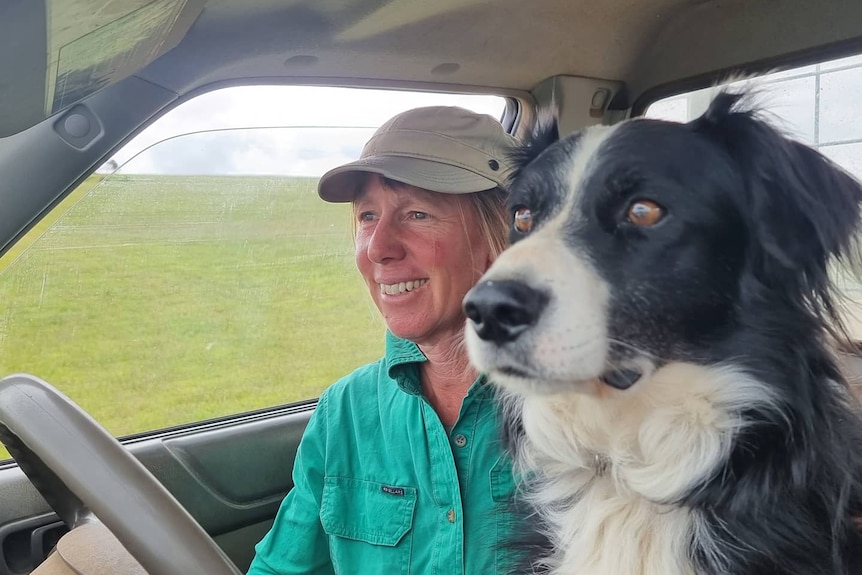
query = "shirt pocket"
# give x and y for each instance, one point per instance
(503, 493)
(369, 524)
(502, 481)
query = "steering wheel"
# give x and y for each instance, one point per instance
(81, 470)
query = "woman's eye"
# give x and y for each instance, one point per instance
(644, 213)
(420, 216)
(366, 216)
(523, 219)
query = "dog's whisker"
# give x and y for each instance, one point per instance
(636, 349)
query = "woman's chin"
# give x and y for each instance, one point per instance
(405, 330)
(425, 332)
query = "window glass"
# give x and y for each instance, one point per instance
(817, 104)
(840, 120)
(197, 274)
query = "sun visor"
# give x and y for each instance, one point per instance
(54, 53)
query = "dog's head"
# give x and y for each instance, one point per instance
(651, 242)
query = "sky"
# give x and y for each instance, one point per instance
(281, 130)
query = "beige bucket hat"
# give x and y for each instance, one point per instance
(439, 148)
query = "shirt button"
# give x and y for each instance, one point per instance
(450, 515)
(460, 440)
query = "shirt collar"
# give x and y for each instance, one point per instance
(402, 364)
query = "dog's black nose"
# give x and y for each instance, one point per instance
(502, 310)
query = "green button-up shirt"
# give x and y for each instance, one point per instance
(380, 486)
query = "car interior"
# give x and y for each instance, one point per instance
(82, 79)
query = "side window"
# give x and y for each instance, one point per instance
(818, 105)
(197, 274)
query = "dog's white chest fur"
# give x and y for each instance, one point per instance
(622, 534)
(611, 465)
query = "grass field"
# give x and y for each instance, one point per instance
(155, 301)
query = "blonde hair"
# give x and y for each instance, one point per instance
(490, 207)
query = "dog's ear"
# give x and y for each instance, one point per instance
(802, 208)
(545, 131)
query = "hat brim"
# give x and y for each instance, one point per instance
(341, 184)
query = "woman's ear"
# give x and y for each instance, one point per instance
(491, 258)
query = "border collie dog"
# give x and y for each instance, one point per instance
(662, 332)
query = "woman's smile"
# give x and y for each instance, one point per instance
(401, 287)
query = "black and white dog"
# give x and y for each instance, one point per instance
(661, 332)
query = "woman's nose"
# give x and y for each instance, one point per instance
(385, 242)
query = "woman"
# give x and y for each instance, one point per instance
(401, 469)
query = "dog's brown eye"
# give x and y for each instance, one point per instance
(644, 213)
(523, 219)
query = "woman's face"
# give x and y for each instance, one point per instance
(419, 253)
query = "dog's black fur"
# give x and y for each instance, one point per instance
(736, 273)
